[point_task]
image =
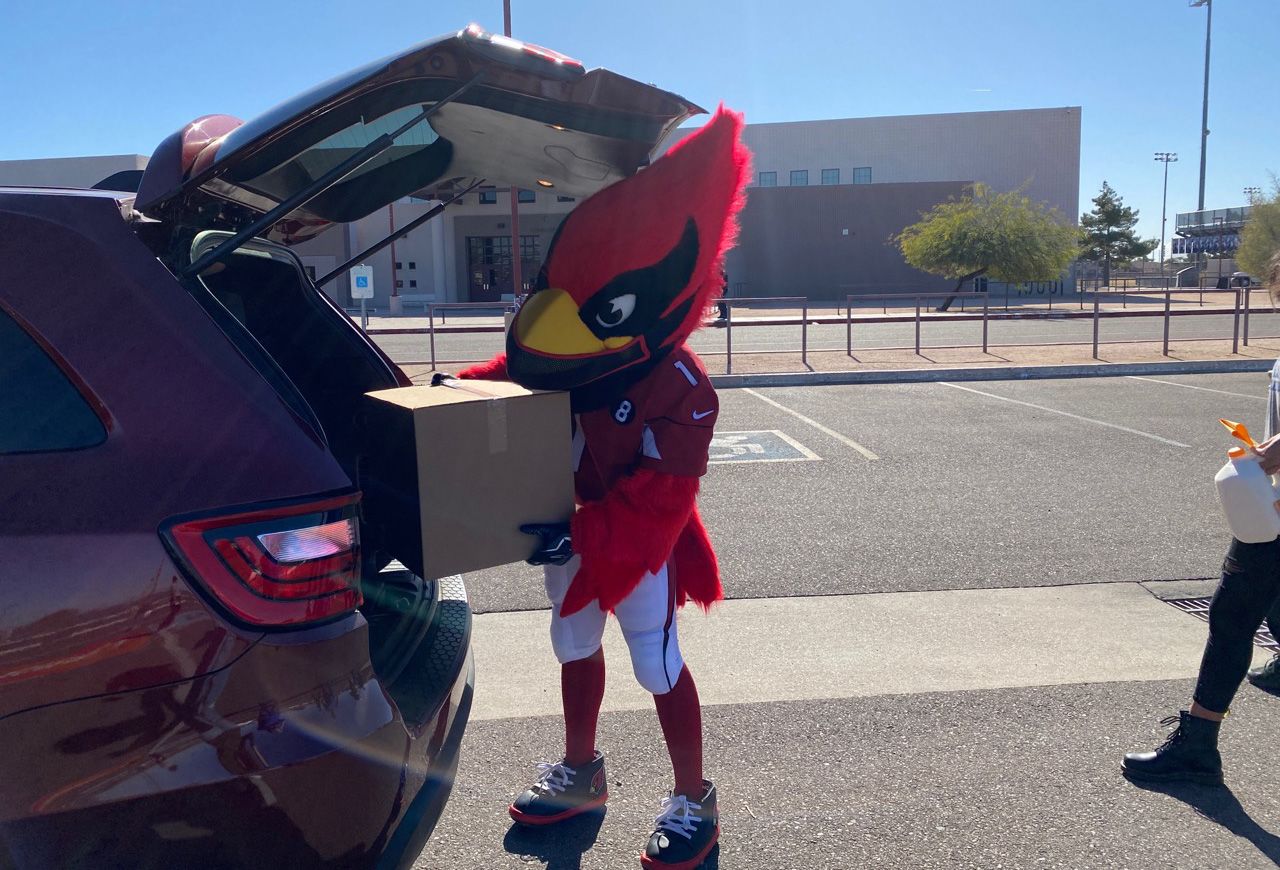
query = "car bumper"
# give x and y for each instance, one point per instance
(328, 772)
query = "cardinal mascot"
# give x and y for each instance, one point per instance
(628, 277)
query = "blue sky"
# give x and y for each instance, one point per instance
(93, 77)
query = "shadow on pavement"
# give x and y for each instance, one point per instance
(560, 846)
(1221, 806)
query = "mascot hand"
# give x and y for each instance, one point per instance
(555, 546)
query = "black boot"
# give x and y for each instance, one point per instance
(1188, 754)
(1267, 677)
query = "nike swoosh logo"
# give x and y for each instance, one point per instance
(698, 415)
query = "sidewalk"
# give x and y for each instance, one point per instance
(855, 646)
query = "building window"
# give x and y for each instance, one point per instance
(529, 249)
(768, 179)
(412, 283)
(399, 284)
(799, 178)
(523, 195)
(488, 196)
(566, 199)
(413, 264)
(831, 176)
(862, 175)
(399, 265)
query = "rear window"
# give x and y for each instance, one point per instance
(40, 409)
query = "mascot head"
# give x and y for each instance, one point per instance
(633, 268)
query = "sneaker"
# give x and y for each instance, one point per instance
(684, 832)
(1189, 754)
(1267, 677)
(561, 792)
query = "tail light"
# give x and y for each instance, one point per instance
(275, 567)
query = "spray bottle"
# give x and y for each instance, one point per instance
(1250, 500)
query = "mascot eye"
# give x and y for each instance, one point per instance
(620, 308)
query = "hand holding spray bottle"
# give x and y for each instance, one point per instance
(1250, 499)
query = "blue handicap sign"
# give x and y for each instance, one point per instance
(758, 446)
(362, 280)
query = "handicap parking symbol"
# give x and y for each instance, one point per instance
(767, 445)
(362, 280)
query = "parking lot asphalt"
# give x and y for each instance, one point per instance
(947, 628)
(1006, 778)
(995, 484)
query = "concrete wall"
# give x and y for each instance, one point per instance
(793, 240)
(1038, 147)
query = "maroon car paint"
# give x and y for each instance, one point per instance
(120, 616)
(179, 153)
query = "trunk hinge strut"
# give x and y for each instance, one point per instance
(400, 233)
(323, 183)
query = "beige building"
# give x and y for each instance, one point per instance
(826, 197)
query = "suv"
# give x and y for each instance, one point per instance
(216, 648)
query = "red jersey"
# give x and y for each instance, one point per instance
(663, 422)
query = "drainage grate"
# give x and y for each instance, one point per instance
(1199, 608)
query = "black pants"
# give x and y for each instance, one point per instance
(1249, 592)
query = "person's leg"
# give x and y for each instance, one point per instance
(581, 693)
(577, 783)
(1250, 582)
(1267, 676)
(688, 826)
(647, 618)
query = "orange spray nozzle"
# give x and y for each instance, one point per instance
(1239, 431)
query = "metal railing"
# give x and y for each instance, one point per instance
(433, 307)
(728, 325)
(914, 312)
(917, 297)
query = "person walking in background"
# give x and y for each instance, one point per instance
(1248, 593)
(722, 307)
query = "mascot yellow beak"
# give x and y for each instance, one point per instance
(551, 323)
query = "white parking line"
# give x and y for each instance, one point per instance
(815, 424)
(1193, 387)
(1067, 414)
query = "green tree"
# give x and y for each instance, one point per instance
(1260, 238)
(1003, 235)
(1108, 233)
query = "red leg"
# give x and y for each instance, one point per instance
(680, 714)
(581, 693)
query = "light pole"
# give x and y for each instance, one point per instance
(1251, 195)
(517, 280)
(1165, 157)
(1204, 114)
(1219, 222)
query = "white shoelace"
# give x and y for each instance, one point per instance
(554, 777)
(678, 816)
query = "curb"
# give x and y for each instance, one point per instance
(991, 373)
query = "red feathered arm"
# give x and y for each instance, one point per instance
(633, 529)
(493, 370)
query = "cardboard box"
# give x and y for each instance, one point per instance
(461, 466)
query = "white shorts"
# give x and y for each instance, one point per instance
(647, 618)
